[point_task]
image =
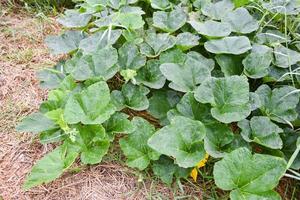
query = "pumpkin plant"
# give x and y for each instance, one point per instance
(220, 78)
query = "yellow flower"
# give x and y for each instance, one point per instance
(202, 163)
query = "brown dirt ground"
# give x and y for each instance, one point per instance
(22, 52)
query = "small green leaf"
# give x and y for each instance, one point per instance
(160, 4)
(51, 78)
(169, 21)
(135, 146)
(131, 96)
(150, 75)
(271, 37)
(130, 20)
(229, 45)
(156, 43)
(261, 130)
(182, 139)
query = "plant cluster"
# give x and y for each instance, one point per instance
(221, 78)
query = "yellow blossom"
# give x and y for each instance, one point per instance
(202, 163)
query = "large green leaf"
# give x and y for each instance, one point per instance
(285, 57)
(271, 37)
(250, 176)
(36, 123)
(131, 96)
(212, 28)
(256, 64)
(165, 169)
(229, 97)
(99, 40)
(261, 130)
(217, 10)
(130, 20)
(74, 19)
(182, 139)
(230, 64)
(229, 45)
(64, 43)
(51, 166)
(130, 57)
(217, 137)
(161, 102)
(188, 76)
(91, 106)
(135, 146)
(241, 21)
(150, 75)
(172, 56)
(156, 43)
(169, 21)
(279, 104)
(160, 4)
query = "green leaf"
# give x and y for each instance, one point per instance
(36, 123)
(278, 104)
(212, 28)
(169, 21)
(135, 146)
(241, 21)
(130, 57)
(271, 37)
(188, 76)
(160, 4)
(217, 10)
(239, 3)
(51, 78)
(291, 7)
(229, 97)
(186, 40)
(90, 106)
(93, 142)
(99, 40)
(118, 123)
(165, 169)
(285, 57)
(189, 107)
(130, 20)
(156, 43)
(289, 138)
(269, 195)
(161, 102)
(230, 65)
(51, 166)
(217, 137)
(253, 175)
(131, 96)
(182, 139)
(65, 43)
(74, 19)
(229, 45)
(172, 56)
(261, 130)
(150, 75)
(256, 64)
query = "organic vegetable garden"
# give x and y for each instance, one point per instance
(175, 84)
